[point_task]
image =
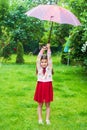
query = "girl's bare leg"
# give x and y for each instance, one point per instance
(40, 111)
(47, 110)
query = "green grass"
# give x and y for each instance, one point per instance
(18, 111)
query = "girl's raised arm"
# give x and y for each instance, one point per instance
(49, 56)
(39, 57)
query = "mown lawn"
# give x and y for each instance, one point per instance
(18, 111)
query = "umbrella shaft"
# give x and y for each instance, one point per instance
(50, 32)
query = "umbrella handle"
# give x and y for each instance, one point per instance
(49, 37)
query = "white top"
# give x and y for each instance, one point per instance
(48, 74)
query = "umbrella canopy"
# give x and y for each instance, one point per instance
(54, 13)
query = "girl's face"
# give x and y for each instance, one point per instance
(44, 63)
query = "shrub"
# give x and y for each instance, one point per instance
(20, 52)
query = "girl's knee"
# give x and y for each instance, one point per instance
(40, 104)
(47, 104)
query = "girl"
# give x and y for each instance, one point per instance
(44, 89)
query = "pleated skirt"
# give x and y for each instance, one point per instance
(43, 92)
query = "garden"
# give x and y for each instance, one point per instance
(21, 38)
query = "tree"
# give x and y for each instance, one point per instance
(19, 26)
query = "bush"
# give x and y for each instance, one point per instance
(20, 52)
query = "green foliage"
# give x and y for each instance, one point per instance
(1, 49)
(20, 52)
(5, 47)
(60, 33)
(79, 7)
(6, 35)
(4, 5)
(66, 58)
(76, 43)
(79, 34)
(6, 51)
(23, 28)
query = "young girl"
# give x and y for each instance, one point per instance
(44, 89)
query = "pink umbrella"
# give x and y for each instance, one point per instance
(53, 13)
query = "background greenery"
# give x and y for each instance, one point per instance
(15, 25)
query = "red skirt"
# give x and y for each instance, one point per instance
(43, 92)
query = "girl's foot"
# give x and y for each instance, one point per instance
(40, 122)
(48, 122)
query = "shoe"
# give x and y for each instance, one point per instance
(40, 122)
(48, 122)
